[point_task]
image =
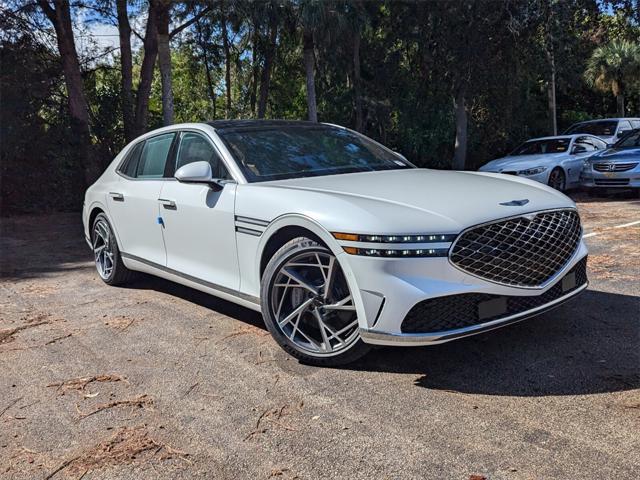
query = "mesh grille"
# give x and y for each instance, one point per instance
(459, 311)
(519, 252)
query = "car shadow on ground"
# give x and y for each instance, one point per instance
(587, 346)
(223, 307)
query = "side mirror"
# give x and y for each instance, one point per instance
(578, 149)
(621, 133)
(198, 172)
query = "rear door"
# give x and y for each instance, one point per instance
(133, 204)
(199, 226)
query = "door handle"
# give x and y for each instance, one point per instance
(118, 197)
(168, 204)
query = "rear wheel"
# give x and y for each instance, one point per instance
(106, 253)
(308, 307)
(557, 179)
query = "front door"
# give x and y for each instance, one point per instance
(133, 204)
(199, 226)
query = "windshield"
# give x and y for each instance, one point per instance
(536, 147)
(605, 128)
(303, 151)
(632, 139)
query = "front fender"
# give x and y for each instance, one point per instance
(299, 220)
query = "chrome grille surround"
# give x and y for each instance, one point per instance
(614, 167)
(525, 251)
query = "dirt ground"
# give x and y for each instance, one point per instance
(160, 381)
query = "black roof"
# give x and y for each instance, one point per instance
(258, 124)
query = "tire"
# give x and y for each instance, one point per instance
(315, 326)
(557, 179)
(107, 256)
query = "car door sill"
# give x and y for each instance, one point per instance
(245, 299)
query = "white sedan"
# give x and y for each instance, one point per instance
(555, 161)
(338, 241)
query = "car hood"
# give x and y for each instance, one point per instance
(521, 162)
(399, 201)
(618, 154)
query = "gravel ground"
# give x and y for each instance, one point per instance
(160, 381)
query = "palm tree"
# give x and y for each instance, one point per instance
(614, 67)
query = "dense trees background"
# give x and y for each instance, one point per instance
(450, 84)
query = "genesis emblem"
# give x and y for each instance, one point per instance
(515, 203)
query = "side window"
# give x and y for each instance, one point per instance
(587, 143)
(154, 156)
(600, 145)
(195, 148)
(130, 165)
(635, 123)
(624, 126)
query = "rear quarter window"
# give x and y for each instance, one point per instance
(130, 164)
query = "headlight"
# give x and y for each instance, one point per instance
(532, 171)
(395, 251)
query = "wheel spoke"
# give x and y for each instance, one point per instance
(301, 281)
(328, 284)
(298, 310)
(326, 342)
(341, 305)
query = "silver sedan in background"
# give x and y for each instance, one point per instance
(616, 167)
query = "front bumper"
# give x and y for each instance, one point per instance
(419, 339)
(542, 177)
(594, 179)
(391, 288)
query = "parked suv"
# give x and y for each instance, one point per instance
(609, 129)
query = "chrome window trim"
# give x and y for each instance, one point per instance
(538, 287)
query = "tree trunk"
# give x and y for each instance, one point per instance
(357, 82)
(227, 60)
(265, 78)
(164, 63)
(207, 69)
(308, 53)
(256, 66)
(620, 105)
(551, 93)
(60, 18)
(146, 70)
(460, 152)
(126, 66)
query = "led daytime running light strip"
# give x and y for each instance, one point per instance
(376, 252)
(423, 238)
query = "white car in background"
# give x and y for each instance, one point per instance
(608, 129)
(554, 161)
(337, 240)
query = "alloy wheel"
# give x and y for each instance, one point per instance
(312, 304)
(102, 249)
(556, 180)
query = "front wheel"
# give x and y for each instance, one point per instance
(308, 307)
(557, 179)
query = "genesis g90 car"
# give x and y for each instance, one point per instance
(340, 242)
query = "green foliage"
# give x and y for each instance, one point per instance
(414, 57)
(614, 67)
